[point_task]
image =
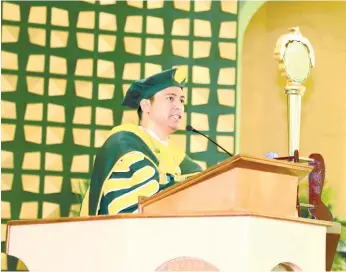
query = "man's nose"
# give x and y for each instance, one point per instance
(178, 104)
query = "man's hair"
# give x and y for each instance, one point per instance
(140, 112)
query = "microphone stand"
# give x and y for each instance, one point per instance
(190, 128)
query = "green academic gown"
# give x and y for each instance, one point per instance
(132, 163)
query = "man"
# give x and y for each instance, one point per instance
(141, 160)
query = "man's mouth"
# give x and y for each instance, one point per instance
(176, 116)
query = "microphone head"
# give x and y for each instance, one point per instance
(189, 128)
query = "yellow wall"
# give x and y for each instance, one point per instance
(263, 120)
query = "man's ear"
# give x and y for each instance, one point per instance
(145, 105)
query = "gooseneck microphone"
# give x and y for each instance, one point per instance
(190, 128)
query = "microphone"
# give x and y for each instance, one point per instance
(190, 128)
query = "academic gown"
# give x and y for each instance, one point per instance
(132, 163)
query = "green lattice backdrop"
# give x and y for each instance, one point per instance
(65, 67)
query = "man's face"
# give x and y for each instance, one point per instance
(167, 108)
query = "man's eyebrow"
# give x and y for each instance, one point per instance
(173, 94)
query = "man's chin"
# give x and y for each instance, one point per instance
(174, 127)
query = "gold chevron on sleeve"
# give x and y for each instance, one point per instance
(125, 162)
(131, 198)
(116, 184)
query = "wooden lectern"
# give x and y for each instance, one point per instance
(241, 183)
(239, 215)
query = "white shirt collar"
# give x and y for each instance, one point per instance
(152, 133)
